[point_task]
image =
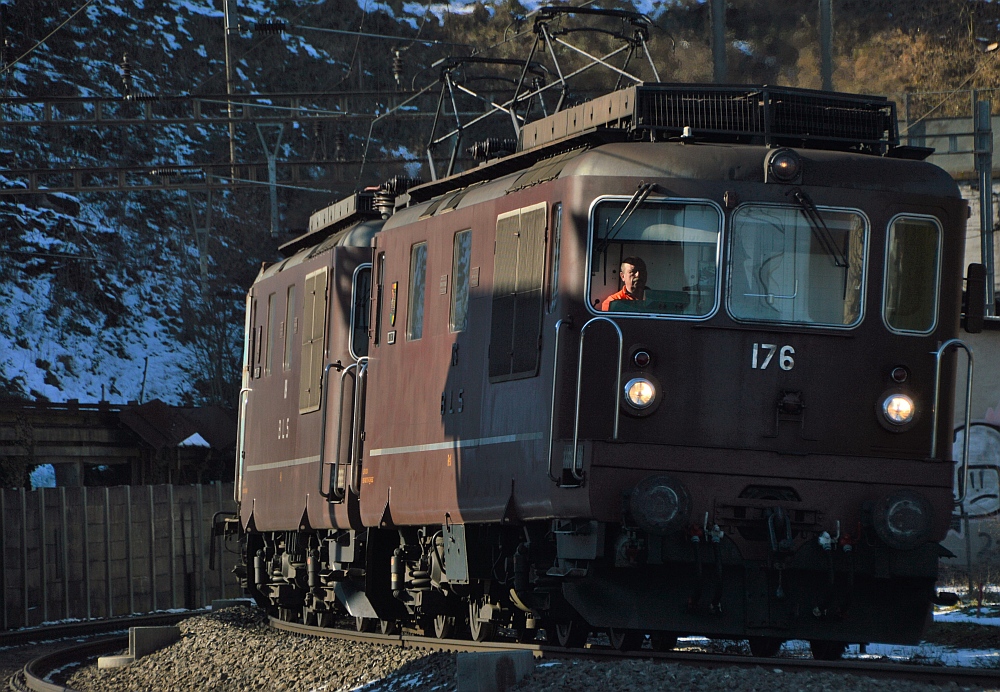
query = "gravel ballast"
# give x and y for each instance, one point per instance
(236, 649)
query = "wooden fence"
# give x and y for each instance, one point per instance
(76, 553)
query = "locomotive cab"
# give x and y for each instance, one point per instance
(785, 350)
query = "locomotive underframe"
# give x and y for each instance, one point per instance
(596, 576)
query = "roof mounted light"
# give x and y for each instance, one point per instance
(784, 166)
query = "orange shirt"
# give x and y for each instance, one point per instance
(621, 295)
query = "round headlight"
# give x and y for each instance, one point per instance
(660, 505)
(640, 392)
(785, 165)
(903, 519)
(898, 409)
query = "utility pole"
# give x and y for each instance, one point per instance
(826, 43)
(718, 15)
(232, 27)
(272, 169)
(984, 166)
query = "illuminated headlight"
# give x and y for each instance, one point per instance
(898, 409)
(640, 392)
(784, 165)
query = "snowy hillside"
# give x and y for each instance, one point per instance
(99, 295)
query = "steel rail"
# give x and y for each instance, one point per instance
(90, 627)
(940, 675)
(38, 670)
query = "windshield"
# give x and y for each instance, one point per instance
(797, 265)
(655, 257)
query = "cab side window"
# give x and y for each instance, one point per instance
(461, 257)
(360, 310)
(418, 286)
(912, 265)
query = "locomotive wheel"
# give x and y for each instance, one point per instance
(480, 631)
(571, 634)
(308, 616)
(324, 618)
(444, 626)
(625, 640)
(388, 627)
(663, 641)
(765, 647)
(823, 650)
(364, 624)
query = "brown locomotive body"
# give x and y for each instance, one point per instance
(746, 465)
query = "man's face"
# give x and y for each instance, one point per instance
(633, 280)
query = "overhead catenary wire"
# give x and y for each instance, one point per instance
(31, 50)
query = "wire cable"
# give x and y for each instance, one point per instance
(40, 43)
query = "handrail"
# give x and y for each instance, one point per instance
(241, 447)
(568, 322)
(968, 409)
(335, 473)
(358, 427)
(325, 386)
(578, 473)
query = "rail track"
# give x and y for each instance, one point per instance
(37, 673)
(938, 675)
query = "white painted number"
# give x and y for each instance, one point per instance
(283, 428)
(767, 351)
(785, 360)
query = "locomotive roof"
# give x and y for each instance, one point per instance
(358, 233)
(698, 161)
(740, 114)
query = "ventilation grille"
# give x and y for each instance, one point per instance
(769, 115)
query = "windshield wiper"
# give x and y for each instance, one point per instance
(615, 228)
(819, 227)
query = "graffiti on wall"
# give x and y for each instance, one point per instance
(980, 511)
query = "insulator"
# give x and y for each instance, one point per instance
(385, 202)
(397, 67)
(492, 148)
(269, 27)
(339, 144)
(398, 184)
(126, 73)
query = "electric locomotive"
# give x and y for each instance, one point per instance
(448, 422)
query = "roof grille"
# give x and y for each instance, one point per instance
(779, 116)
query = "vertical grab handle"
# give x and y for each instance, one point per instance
(330, 489)
(577, 468)
(357, 430)
(567, 322)
(241, 446)
(958, 343)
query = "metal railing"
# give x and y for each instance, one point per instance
(938, 354)
(567, 322)
(576, 468)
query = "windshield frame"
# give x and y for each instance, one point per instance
(650, 200)
(863, 299)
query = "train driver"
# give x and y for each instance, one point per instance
(633, 277)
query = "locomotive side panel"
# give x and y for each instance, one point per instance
(479, 448)
(312, 303)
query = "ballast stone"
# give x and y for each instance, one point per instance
(493, 671)
(220, 603)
